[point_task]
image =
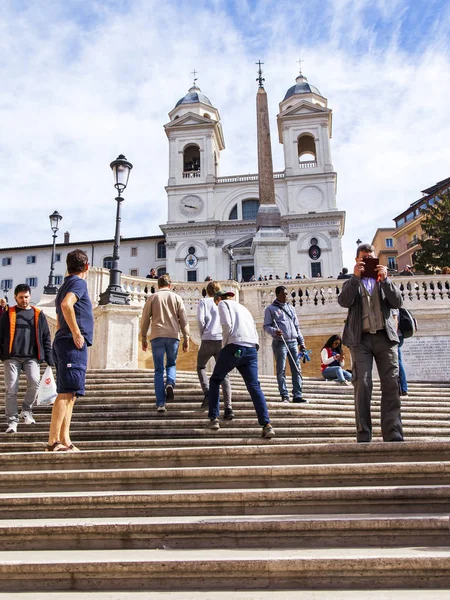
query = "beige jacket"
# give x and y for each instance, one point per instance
(167, 314)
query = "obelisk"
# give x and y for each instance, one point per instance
(270, 244)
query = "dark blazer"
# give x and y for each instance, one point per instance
(351, 298)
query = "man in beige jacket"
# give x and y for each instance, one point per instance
(165, 310)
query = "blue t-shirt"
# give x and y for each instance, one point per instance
(82, 308)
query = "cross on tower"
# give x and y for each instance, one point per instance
(194, 73)
(300, 65)
(260, 78)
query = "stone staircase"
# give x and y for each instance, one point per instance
(161, 503)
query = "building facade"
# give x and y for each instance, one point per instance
(31, 264)
(212, 219)
(408, 229)
(384, 243)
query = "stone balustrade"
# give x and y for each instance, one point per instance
(307, 164)
(249, 177)
(315, 301)
(308, 296)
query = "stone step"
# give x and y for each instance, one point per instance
(225, 569)
(140, 410)
(208, 594)
(219, 477)
(22, 445)
(209, 456)
(407, 499)
(250, 531)
(320, 434)
(158, 421)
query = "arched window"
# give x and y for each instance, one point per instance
(306, 149)
(161, 271)
(191, 159)
(250, 210)
(161, 250)
(233, 213)
(108, 262)
(207, 115)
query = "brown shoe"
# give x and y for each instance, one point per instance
(56, 447)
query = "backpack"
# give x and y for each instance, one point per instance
(407, 324)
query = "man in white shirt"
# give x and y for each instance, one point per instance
(211, 335)
(240, 351)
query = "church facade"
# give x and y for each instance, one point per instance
(212, 219)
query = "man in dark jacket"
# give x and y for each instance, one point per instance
(24, 343)
(371, 333)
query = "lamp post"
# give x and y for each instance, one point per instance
(114, 294)
(51, 288)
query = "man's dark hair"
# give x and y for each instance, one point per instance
(365, 248)
(344, 271)
(76, 261)
(279, 289)
(22, 287)
(330, 341)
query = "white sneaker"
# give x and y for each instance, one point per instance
(345, 382)
(12, 427)
(27, 417)
(161, 409)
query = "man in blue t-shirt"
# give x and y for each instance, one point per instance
(75, 328)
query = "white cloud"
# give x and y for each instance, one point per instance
(82, 87)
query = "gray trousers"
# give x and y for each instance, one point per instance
(13, 367)
(379, 347)
(211, 349)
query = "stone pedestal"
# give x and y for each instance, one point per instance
(116, 330)
(270, 252)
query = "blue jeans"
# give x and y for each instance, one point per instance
(167, 347)
(280, 352)
(247, 365)
(337, 373)
(401, 369)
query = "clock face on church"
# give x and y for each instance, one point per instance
(191, 206)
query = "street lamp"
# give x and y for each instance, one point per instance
(51, 288)
(114, 294)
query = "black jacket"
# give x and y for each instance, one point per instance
(8, 329)
(350, 297)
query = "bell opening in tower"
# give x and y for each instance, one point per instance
(191, 160)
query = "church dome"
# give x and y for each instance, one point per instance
(194, 96)
(301, 87)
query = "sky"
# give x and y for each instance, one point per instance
(86, 80)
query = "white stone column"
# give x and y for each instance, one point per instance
(116, 330)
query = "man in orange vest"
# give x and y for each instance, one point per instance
(24, 343)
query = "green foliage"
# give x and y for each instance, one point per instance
(435, 247)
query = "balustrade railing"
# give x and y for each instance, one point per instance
(308, 296)
(244, 178)
(191, 174)
(307, 164)
(320, 295)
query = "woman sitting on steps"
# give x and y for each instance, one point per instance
(333, 361)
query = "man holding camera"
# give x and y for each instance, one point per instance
(371, 333)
